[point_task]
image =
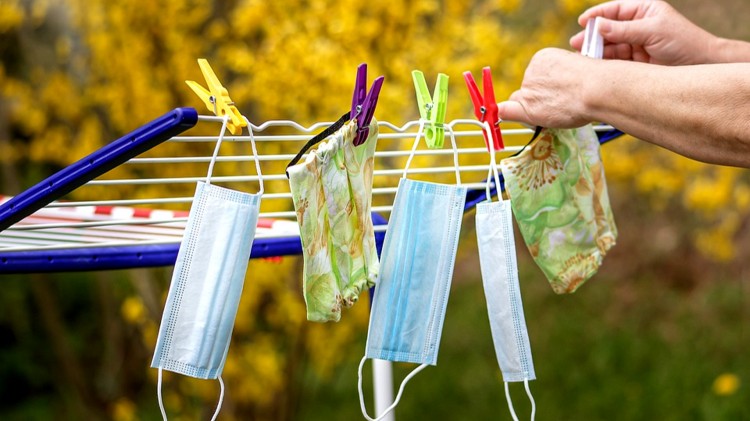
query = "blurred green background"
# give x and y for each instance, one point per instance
(660, 333)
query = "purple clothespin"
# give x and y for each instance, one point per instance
(364, 103)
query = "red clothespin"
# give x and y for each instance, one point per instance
(486, 108)
(364, 103)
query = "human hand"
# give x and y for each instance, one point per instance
(553, 92)
(647, 31)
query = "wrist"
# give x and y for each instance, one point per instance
(724, 50)
(596, 87)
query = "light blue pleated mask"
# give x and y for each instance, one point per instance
(416, 268)
(209, 273)
(497, 258)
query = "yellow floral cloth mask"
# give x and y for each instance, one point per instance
(331, 191)
(560, 201)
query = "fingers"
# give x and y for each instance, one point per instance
(617, 10)
(615, 51)
(624, 32)
(513, 111)
(617, 26)
(639, 54)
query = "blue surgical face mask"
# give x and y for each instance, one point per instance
(207, 282)
(416, 268)
(497, 257)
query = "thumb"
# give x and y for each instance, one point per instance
(632, 32)
(513, 111)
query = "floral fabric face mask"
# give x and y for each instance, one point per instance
(332, 191)
(560, 201)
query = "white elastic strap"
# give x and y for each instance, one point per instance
(510, 402)
(455, 155)
(528, 393)
(158, 394)
(492, 171)
(216, 149)
(221, 399)
(398, 395)
(414, 147)
(420, 132)
(161, 401)
(531, 398)
(255, 155)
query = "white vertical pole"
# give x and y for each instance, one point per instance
(382, 381)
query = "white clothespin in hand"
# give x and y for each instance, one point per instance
(593, 43)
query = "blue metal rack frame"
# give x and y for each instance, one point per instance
(96, 164)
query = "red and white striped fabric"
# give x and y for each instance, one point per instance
(99, 226)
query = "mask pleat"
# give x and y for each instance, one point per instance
(447, 227)
(410, 275)
(399, 286)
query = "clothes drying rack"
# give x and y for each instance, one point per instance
(41, 230)
(48, 228)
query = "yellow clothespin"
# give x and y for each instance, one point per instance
(217, 98)
(432, 110)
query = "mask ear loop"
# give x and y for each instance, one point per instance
(528, 393)
(221, 399)
(158, 394)
(531, 398)
(255, 155)
(161, 400)
(455, 154)
(492, 171)
(398, 395)
(510, 403)
(216, 149)
(420, 132)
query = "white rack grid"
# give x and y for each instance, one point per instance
(110, 216)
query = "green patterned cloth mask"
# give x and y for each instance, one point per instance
(560, 201)
(331, 191)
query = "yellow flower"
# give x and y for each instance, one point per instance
(133, 310)
(509, 6)
(715, 244)
(726, 384)
(11, 16)
(124, 410)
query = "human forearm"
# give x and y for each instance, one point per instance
(702, 112)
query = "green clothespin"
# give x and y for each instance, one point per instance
(432, 109)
